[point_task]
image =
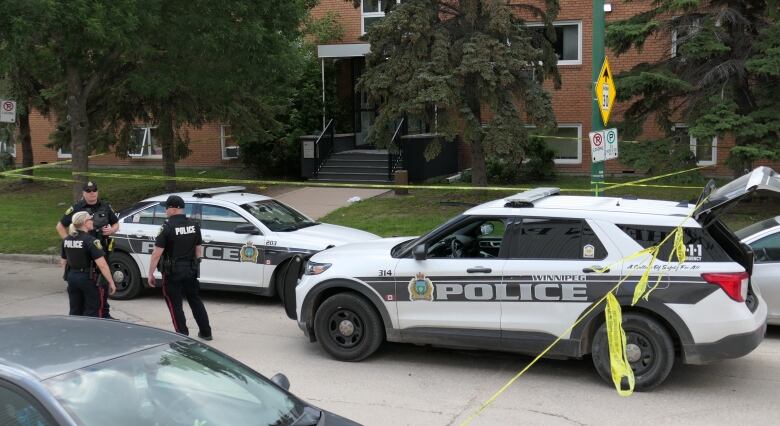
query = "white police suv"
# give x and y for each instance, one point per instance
(515, 273)
(246, 237)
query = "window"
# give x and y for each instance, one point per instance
(568, 41)
(373, 11)
(143, 144)
(8, 146)
(706, 153)
(767, 249)
(64, 151)
(217, 218)
(699, 245)
(683, 33)
(570, 239)
(16, 408)
(155, 215)
(228, 143)
(277, 216)
(481, 237)
(566, 141)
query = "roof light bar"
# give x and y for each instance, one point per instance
(527, 198)
(208, 192)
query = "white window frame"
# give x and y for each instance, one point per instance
(577, 61)
(223, 135)
(61, 154)
(578, 160)
(9, 147)
(380, 14)
(695, 28)
(147, 135)
(693, 142)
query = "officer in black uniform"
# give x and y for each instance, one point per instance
(179, 244)
(106, 223)
(81, 253)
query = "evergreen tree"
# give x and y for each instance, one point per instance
(471, 68)
(723, 78)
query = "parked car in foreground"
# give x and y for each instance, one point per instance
(764, 239)
(60, 370)
(515, 273)
(246, 237)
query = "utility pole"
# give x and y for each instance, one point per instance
(597, 44)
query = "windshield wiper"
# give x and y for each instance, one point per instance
(306, 225)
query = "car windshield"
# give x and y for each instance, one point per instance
(182, 383)
(276, 216)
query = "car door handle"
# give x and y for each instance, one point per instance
(207, 238)
(593, 269)
(479, 269)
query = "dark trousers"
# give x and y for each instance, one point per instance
(182, 282)
(103, 286)
(83, 294)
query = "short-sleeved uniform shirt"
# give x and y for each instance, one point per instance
(179, 236)
(81, 250)
(102, 214)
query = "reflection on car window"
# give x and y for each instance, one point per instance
(478, 238)
(18, 410)
(155, 215)
(276, 216)
(184, 383)
(570, 239)
(767, 249)
(220, 219)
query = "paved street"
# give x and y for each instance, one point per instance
(406, 384)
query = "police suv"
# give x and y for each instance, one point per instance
(515, 273)
(246, 237)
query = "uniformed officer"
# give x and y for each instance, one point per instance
(179, 244)
(106, 223)
(81, 253)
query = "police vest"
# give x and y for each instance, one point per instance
(181, 236)
(81, 250)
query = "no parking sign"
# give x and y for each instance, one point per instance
(7, 111)
(603, 145)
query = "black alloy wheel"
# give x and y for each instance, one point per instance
(348, 327)
(126, 276)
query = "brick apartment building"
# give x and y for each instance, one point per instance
(212, 145)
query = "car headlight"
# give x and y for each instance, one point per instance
(314, 268)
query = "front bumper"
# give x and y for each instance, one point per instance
(734, 346)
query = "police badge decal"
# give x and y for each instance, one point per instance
(420, 288)
(249, 252)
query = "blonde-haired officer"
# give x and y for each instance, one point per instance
(81, 252)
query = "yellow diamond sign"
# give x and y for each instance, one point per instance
(605, 91)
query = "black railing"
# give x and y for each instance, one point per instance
(323, 146)
(395, 151)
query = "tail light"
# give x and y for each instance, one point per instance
(735, 284)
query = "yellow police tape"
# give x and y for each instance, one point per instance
(619, 366)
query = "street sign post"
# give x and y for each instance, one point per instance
(7, 111)
(597, 58)
(603, 145)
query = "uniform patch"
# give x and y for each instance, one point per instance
(97, 244)
(420, 288)
(69, 210)
(160, 231)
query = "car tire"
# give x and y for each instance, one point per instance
(650, 351)
(130, 286)
(347, 327)
(289, 283)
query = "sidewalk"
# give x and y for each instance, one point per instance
(317, 202)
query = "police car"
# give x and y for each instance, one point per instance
(515, 273)
(246, 237)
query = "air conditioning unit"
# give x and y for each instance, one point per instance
(231, 152)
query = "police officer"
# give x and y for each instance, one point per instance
(81, 252)
(106, 223)
(179, 244)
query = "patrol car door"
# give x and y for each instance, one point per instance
(138, 231)
(229, 257)
(550, 279)
(451, 294)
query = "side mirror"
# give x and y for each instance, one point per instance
(246, 229)
(281, 380)
(419, 252)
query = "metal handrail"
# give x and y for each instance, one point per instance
(393, 159)
(323, 146)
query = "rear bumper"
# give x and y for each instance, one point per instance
(733, 346)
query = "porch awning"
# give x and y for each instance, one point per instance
(343, 50)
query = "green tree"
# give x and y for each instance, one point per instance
(723, 78)
(449, 62)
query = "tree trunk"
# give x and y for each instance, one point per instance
(166, 135)
(24, 135)
(79, 129)
(478, 173)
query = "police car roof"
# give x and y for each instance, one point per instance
(230, 197)
(587, 206)
(51, 345)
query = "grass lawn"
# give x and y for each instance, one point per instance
(29, 213)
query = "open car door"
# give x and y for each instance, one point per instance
(718, 200)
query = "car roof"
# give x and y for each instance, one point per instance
(237, 198)
(48, 346)
(586, 207)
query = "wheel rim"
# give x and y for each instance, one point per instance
(345, 328)
(641, 353)
(124, 283)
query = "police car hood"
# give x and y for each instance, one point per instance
(380, 247)
(325, 234)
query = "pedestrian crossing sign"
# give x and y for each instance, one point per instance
(605, 91)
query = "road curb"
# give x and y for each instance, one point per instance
(37, 258)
